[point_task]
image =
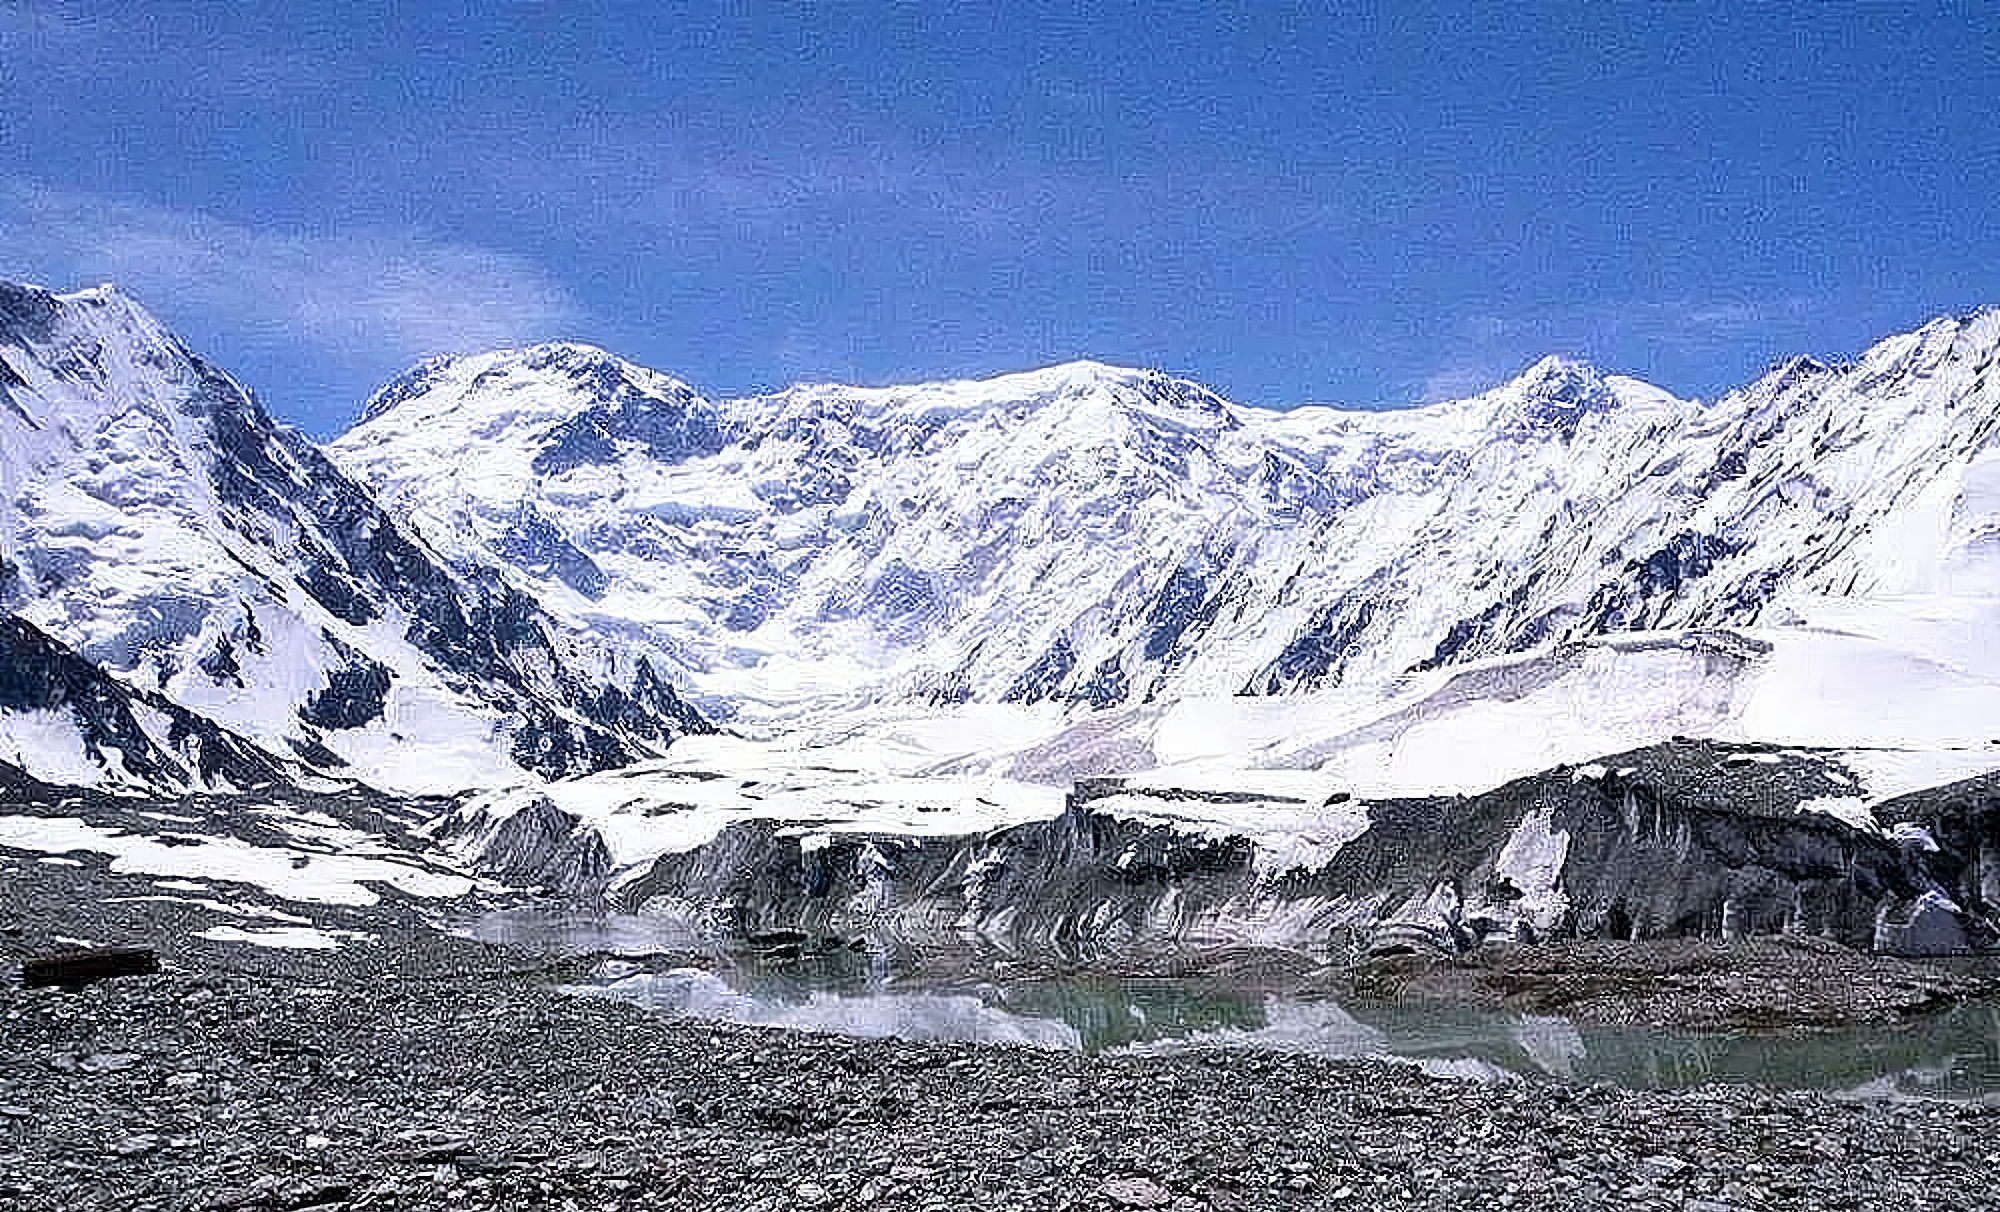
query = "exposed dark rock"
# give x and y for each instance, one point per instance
(221, 665)
(667, 429)
(355, 692)
(38, 674)
(538, 547)
(539, 845)
(1316, 655)
(343, 599)
(407, 386)
(27, 314)
(314, 752)
(1183, 603)
(1043, 679)
(652, 709)
(556, 746)
(1107, 685)
(1637, 598)
(75, 969)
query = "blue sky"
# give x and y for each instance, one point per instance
(1367, 205)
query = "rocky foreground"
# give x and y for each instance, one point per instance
(431, 1075)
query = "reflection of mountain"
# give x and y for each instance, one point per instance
(911, 1016)
(1956, 1054)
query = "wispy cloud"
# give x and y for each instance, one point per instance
(1480, 354)
(360, 296)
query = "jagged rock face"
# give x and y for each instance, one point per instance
(155, 519)
(1954, 832)
(64, 720)
(538, 846)
(1683, 840)
(1097, 536)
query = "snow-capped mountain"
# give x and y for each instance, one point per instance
(1097, 536)
(158, 526)
(1081, 653)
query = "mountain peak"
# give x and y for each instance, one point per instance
(562, 378)
(1559, 374)
(571, 403)
(1553, 396)
(32, 314)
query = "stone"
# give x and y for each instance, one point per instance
(1136, 1193)
(137, 1146)
(75, 969)
(1663, 1166)
(108, 1062)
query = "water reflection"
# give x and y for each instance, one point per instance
(1954, 1055)
(561, 934)
(692, 993)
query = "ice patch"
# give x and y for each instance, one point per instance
(1853, 811)
(291, 874)
(1532, 860)
(291, 938)
(1911, 833)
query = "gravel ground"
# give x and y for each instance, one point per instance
(429, 1075)
(424, 1072)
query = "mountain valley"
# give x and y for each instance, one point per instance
(1078, 662)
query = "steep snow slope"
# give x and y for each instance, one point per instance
(156, 521)
(63, 721)
(1059, 534)
(1098, 536)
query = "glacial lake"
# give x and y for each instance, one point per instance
(1954, 1055)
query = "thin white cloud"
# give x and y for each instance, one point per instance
(1459, 380)
(360, 296)
(1481, 355)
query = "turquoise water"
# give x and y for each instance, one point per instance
(1951, 1055)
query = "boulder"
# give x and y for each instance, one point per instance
(75, 969)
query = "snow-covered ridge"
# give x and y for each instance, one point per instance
(1095, 535)
(158, 524)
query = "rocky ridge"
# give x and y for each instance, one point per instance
(159, 525)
